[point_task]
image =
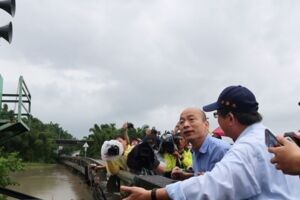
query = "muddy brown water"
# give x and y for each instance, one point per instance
(53, 182)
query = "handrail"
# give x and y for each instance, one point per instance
(145, 181)
(1, 91)
(15, 194)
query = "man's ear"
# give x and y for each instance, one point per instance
(206, 123)
(231, 118)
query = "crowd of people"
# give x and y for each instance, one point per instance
(206, 166)
(186, 151)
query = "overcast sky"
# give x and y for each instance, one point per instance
(112, 61)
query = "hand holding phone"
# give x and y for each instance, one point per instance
(292, 136)
(270, 139)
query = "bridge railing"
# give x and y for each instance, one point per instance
(127, 178)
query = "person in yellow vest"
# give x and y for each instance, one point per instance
(181, 156)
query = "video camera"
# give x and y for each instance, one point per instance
(169, 142)
(111, 150)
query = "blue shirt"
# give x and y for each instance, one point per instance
(211, 151)
(245, 172)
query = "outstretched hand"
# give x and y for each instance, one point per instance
(136, 193)
(177, 173)
(287, 156)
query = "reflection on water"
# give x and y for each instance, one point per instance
(53, 182)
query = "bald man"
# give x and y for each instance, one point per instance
(207, 150)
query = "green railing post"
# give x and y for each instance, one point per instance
(20, 98)
(1, 91)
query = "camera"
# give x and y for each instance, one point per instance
(169, 143)
(130, 125)
(111, 150)
(142, 157)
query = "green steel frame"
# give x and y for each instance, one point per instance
(22, 99)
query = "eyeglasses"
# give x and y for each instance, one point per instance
(219, 113)
(216, 115)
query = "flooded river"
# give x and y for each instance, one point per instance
(53, 182)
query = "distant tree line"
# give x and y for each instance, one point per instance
(38, 145)
(103, 132)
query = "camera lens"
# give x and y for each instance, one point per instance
(113, 151)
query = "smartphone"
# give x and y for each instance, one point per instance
(292, 136)
(270, 139)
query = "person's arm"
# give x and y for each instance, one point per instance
(125, 127)
(287, 156)
(161, 168)
(138, 193)
(229, 177)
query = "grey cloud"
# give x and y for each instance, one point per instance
(141, 58)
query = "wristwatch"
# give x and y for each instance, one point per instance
(153, 194)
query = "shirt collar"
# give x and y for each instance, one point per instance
(248, 130)
(204, 146)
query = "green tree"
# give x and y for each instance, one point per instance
(104, 132)
(9, 162)
(39, 145)
(99, 135)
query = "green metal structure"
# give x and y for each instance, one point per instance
(12, 122)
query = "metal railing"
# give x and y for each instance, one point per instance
(16, 194)
(127, 178)
(13, 122)
(22, 99)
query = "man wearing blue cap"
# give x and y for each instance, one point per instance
(245, 171)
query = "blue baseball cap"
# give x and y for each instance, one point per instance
(234, 98)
